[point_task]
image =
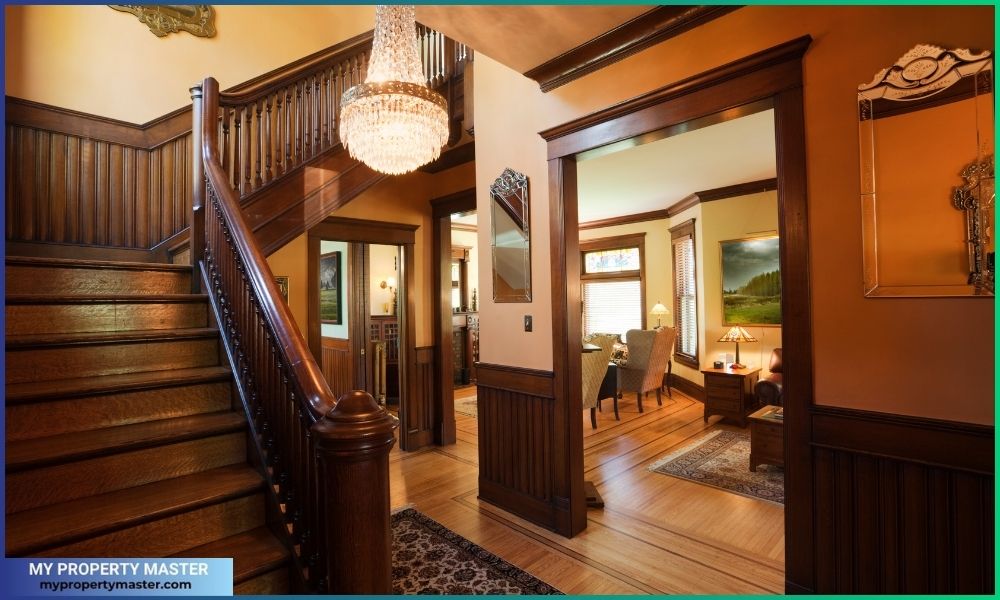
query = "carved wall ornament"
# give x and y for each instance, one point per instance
(976, 198)
(196, 19)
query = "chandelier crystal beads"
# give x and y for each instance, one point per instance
(392, 122)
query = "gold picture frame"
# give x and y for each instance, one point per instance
(196, 19)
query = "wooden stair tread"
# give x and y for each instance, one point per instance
(107, 337)
(104, 299)
(254, 553)
(82, 263)
(19, 393)
(39, 528)
(79, 445)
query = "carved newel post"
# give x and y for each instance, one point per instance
(352, 450)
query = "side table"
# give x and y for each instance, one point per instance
(729, 392)
(767, 437)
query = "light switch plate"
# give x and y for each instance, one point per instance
(527, 322)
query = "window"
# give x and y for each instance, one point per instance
(613, 289)
(685, 293)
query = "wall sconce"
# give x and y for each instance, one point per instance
(390, 283)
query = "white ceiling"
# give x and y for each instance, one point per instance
(523, 37)
(657, 174)
(654, 176)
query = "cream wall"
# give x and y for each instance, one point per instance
(290, 262)
(105, 62)
(469, 239)
(866, 352)
(731, 219)
(382, 265)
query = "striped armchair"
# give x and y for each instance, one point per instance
(595, 366)
(648, 356)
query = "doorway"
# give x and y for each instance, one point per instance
(774, 74)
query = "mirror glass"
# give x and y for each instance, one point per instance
(927, 143)
(511, 240)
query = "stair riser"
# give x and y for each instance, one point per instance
(27, 421)
(269, 584)
(25, 319)
(172, 534)
(91, 360)
(49, 485)
(41, 279)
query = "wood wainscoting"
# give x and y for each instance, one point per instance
(337, 366)
(516, 429)
(74, 178)
(422, 417)
(902, 505)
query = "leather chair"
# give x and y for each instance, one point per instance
(648, 356)
(768, 389)
(595, 366)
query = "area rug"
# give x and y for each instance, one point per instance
(722, 459)
(467, 406)
(429, 558)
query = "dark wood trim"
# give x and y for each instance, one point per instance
(654, 215)
(775, 73)
(646, 30)
(444, 399)
(459, 202)
(566, 470)
(343, 229)
(947, 444)
(58, 250)
(688, 387)
(531, 382)
(617, 241)
(740, 189)
(449, 159)
(682, 205)
(629, 240)
(657, 109)
(72, 122)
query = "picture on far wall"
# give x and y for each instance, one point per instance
(282, 281)
(751, 281)
(329, 289)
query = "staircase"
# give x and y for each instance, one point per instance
(124, 436)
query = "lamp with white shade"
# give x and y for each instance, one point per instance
(658, 311)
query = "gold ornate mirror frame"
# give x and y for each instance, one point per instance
(916, 121)
(196, 19)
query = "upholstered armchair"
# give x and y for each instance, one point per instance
(648, 355)
(595, 366)
(768, 389)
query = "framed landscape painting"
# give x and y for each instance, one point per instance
(751, 281)
(329, 289)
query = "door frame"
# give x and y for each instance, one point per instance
(444, 389)
(775, 74)
(365, 231)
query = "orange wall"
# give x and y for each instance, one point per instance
(105, 62)
(867, 352)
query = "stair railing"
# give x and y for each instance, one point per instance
(325, 459)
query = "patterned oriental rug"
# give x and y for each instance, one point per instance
(467, 406)
(429, 558)
(722, 459)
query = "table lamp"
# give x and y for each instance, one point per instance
(737, 334)
(659, 310)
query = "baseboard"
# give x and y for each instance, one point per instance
(689, 388)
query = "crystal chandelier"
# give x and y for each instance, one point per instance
(392, 122)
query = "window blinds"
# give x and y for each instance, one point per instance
(612, 306)
(685, 300)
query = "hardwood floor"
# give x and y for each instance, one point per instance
(656, 535)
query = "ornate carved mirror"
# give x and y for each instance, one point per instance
(511, 240)
(927, 143)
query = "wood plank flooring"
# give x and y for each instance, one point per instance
(656, 535)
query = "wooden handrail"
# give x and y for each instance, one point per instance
(326, 460)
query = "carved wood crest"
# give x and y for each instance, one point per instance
(923, 71)
(196, 19)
